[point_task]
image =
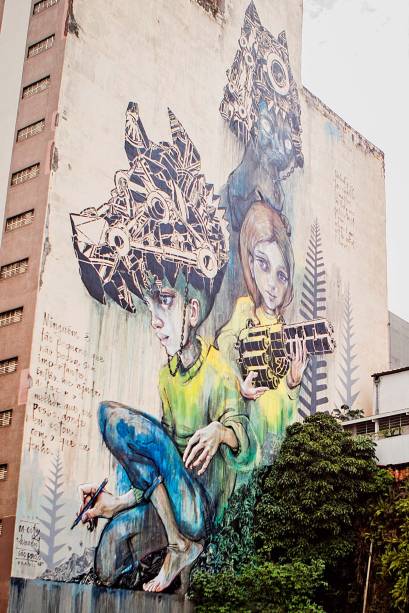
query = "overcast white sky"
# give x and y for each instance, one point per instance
(356, 59)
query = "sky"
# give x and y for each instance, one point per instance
(356, 60)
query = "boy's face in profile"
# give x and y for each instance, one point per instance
(166, 306)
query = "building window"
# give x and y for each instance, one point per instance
(3, 471)
(366, 427)
(11, 317)
(36, 87)
(41, 46)
(8, 366)
(13, 269)
(31, 172)
(5, 418)
(41, 6)
(18, 221)
(1, 527)
(31, 130)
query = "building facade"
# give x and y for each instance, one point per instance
(389, 423)
(186, 234)
(398, 342)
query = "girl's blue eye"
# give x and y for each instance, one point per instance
(165, 300)
(282, 277)
(262, 264)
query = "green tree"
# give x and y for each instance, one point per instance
(389, 532)
(261, 588)
(316, 498)
(311, 508)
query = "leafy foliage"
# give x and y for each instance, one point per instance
(231, 546)
(390, 535)
(345, 413)
(311, 508)
(316, 492)
(266, 587)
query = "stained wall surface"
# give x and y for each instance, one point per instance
(137, 259)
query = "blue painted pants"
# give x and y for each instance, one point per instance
(148, 454)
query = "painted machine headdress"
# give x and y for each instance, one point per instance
(162, 218)
(261, 72)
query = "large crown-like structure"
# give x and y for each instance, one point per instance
(261, 72)
(162, 218)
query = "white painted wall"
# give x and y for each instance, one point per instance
(393, 392)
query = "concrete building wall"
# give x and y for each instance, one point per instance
(94, 337)
(399, 341)
(391, 392)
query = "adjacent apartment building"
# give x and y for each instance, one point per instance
(174, 191)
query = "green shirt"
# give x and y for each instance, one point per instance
(192, 399)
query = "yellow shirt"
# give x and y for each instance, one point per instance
(192, 399)
(276, 409)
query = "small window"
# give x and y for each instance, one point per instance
(41, 6)
(13, 269)
(41, 46)
(18, 221)
(36, 87)
(11, 317)
(31, 130)
(8, 366)
(1, 527)
(5, 418)
(366, 427)
(31, 172)
(3, 471)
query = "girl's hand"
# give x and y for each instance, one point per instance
(247, 388)
(204, 445)
(299, 360)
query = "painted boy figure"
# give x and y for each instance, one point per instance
(167, 244)
(183, 469)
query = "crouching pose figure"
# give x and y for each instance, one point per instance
(183, 469)
(165, 241)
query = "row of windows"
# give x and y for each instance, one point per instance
(5, 418)
(41, 6)
(30, 130)
(41, 46)
(13, 269)
(20, 220)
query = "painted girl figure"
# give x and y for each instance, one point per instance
(268, 266)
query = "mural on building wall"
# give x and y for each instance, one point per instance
(161, 245)
(162, 238)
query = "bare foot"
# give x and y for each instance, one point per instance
(175, 561)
